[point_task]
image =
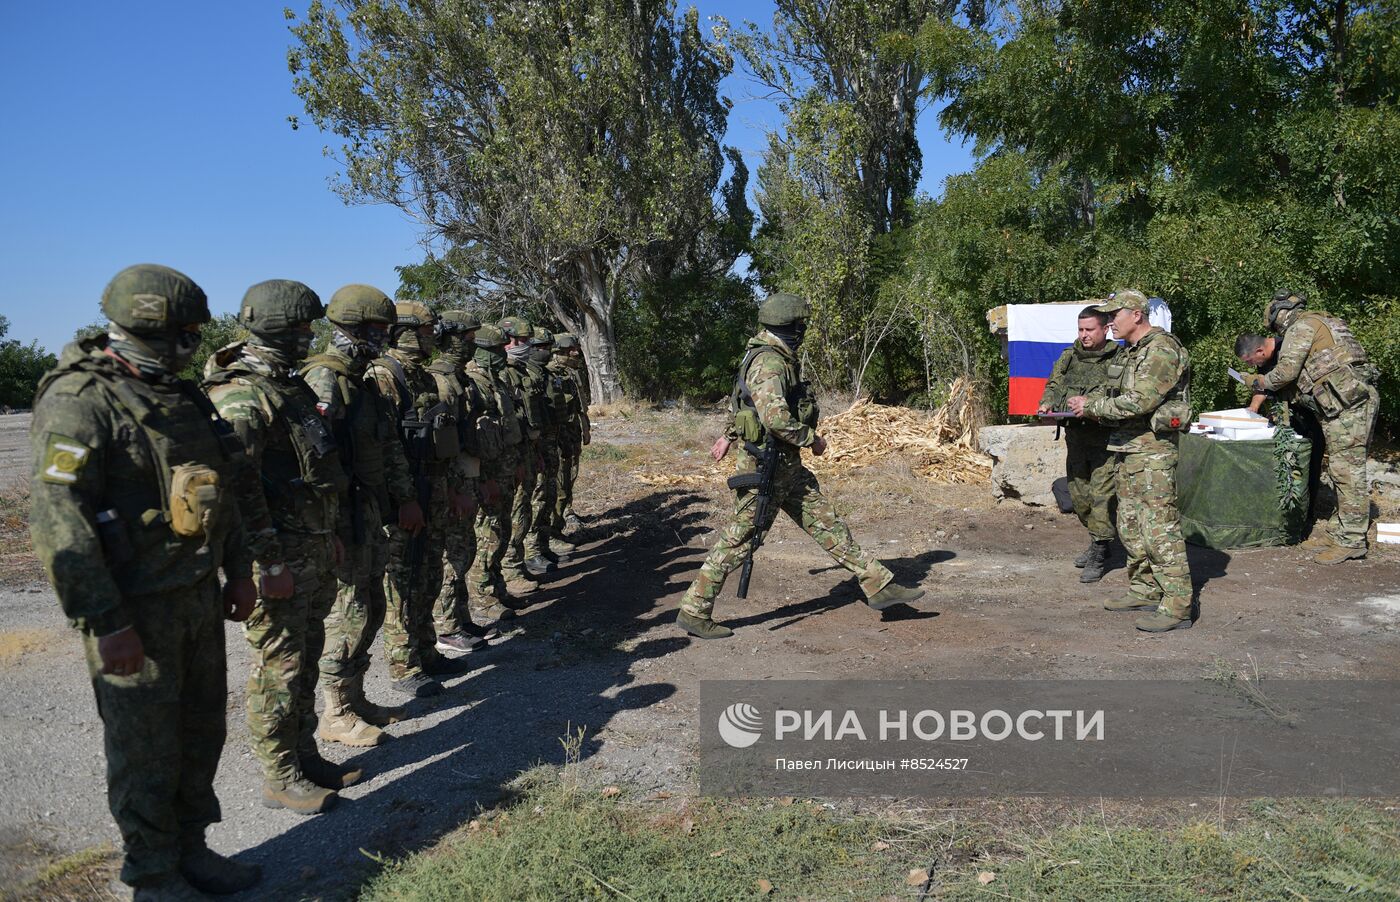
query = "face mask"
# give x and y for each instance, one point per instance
(414, 344)
(519, 353)
(490, 358)
(366, 346)
(791, 334)
(283, 350)
(154, 356)
(540, 355)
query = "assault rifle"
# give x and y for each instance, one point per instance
(761, 480)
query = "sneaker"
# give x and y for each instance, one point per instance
(460, 642)
(441, 665)
(418, 685)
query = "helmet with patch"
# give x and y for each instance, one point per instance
(489, 336)
(148, 298)
(517, 327)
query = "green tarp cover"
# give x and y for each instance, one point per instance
(1245, 494)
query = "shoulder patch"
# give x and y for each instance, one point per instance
(64, 459)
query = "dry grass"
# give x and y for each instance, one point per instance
(18, 565)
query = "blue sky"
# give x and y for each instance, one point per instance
(157, 131)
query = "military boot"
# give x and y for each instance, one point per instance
(327, 773)
(1095, 563)
(572, 522)
(1084, 555)
(1162, 622)
(702, 627)
(518, 587)
(892, 595)
(340, 722)
(495, 611)
(417, 685)
(299, 796)
(209, 872)
(561, 547)
(538, 566)
(1130, 603)
(555, 557)
(441, 665)
(168, 888)
(367, 710)
(1335, 554)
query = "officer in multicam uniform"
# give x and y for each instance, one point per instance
(574, 431)
(498, 423)
(428, 428)
(1328, 371)
(290, 499)
(132, 516)
(363, 424)
(770, 399)
(1148, 406)
(527, 379)
(539, 556)
(456, 632)
(1090, 467)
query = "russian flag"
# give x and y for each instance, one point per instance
(1036, 336)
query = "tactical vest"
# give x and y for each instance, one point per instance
(1173, 415)
(1083, 373)
(452, 392)
(1336, 374)
(177, 431)
(557, 406)
(309, 461)
(526, 401)
(569, 400)
(498, 425)
(801, 403)
(429, 431)
(362, 430)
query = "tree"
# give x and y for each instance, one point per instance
(551, 146)
(21, 368)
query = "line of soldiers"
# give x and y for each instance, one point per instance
(1130, 403)
(416, 478)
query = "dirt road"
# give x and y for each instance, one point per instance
(601, 653)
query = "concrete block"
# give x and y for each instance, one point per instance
(1026, 460)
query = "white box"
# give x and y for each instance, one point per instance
(1238, 418)
(1251, 434)
(1388, 533)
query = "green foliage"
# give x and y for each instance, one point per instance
(222, 330)
(21, 368)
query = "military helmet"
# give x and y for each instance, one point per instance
(541, 337)
(459, 321)
(489, 336)
(152, 298)
(355, 304)
(413, 314)
(1282, 300)
(517, 327)
(278, 305)
(783, 308)
(565, 341)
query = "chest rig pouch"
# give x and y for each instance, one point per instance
(1336, 372)
(801, 402)
(429, 428)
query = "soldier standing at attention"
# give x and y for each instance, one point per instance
(1089, 466)
(133, 516)
(576, 362)
(538, 554)
(1148, 406)
(1328, 371)
(497, 422)
(771, 400)
(290, 502)
(573, 435)
(527, 379)
(364, 427)
(428, 428)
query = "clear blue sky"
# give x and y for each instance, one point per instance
(156, 131)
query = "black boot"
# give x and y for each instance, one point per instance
(1095, 560)
(1084, 555)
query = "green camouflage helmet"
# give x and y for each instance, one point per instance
(413, 314)
(489, 336)
(150, 298)
(355, 304)
(565, 341)
(460, 321)
(1283, 300)
(783, 308)
(541, 337)
(278, 305)
(517, 327)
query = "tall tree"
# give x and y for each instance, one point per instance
(550, 144)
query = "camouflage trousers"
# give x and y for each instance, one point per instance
(411, 590)
(451, 612)
(797, 494)
(1347, 437)
(542, 499)
(569, 454)
(1149, 525)
(358, 610)
(492, 536)
(286, 637)
(513, 562)
(163, 728)
(1090, 470)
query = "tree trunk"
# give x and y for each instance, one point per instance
(596, 335)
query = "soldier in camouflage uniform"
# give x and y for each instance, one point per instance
(428, 427)
(771, 400)
(573, 435)
(132, 517)
(1148, 406)
(527, 378)
(451, 613)
(1090, 467)
(539, 556)
(1323, 365)
(363, 424)
(498, 424)
(289, 498)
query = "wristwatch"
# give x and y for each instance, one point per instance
(274, 569)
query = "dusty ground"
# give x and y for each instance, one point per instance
(600, 652)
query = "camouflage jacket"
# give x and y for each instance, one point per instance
(412, 391)
(363, 423)
(526, 378)
(1080, 372)
(570, 403)
(104, 442)
(1324, 365)
(771, 376)
(1155, 370)
(499, 432)
(294, 478)
(461, 394)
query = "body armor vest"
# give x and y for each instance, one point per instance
(361, 430)
(499, 422)
(801, 402)
(1336, 372)
(1173, 415)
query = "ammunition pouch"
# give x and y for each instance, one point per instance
(1338, 391)
(194, 499)
(1172, 416)
(806, 407)
(747, 427)
(116, 542)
